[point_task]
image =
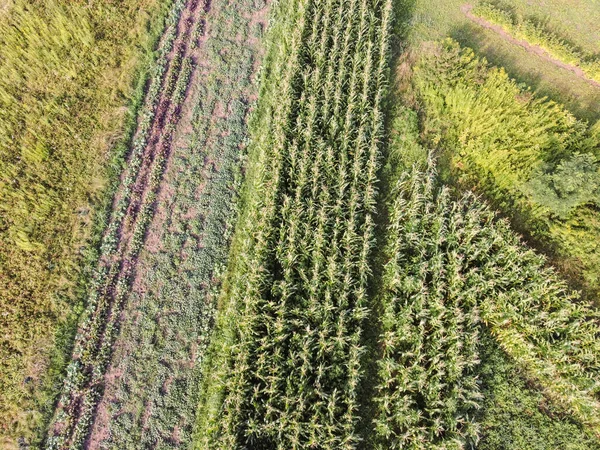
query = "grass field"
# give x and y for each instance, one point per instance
(577, 19)
(70, 79)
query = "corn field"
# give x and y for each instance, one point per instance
(297, 294)
(454, 268)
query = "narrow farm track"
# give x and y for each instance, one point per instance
(467, 9)
(133, 209)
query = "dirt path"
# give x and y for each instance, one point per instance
(533, 49)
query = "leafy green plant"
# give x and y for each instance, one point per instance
(529, 156)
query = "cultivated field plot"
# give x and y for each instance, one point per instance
(167, 238)
(151, 396)
(310, 239)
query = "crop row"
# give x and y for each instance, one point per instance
(133, 209)
(453, 268)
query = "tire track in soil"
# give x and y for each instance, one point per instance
(530, 48)
(120, 266)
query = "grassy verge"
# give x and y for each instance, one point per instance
(79, 82)
(535, 32)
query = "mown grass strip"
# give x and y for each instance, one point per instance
(536, 32)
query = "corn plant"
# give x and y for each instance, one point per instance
(454, 268)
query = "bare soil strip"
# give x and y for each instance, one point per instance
(533, 49)
(117, 268)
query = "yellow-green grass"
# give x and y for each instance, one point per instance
(579, 20)
(70, 72)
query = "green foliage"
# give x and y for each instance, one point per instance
(65, 82)
(538, 32)
(530, 156)
(574, 182)
(428, 390)
(292, 316)
(513, 416)
(451, 266)
(169, 315)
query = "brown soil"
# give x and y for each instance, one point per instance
(533, 49)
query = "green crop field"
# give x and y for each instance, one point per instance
(300, 224)
(577, 20)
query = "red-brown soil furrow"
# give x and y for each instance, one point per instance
(172, 278)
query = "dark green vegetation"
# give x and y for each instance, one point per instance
(453, 269)
(285, 368)
(68, 72)
(531, 157)
(152, 384)
(515, 416)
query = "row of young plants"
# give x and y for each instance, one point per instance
(285, 366)
(537, 32)
(83, 384)
(169, 315)
(452, 269)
